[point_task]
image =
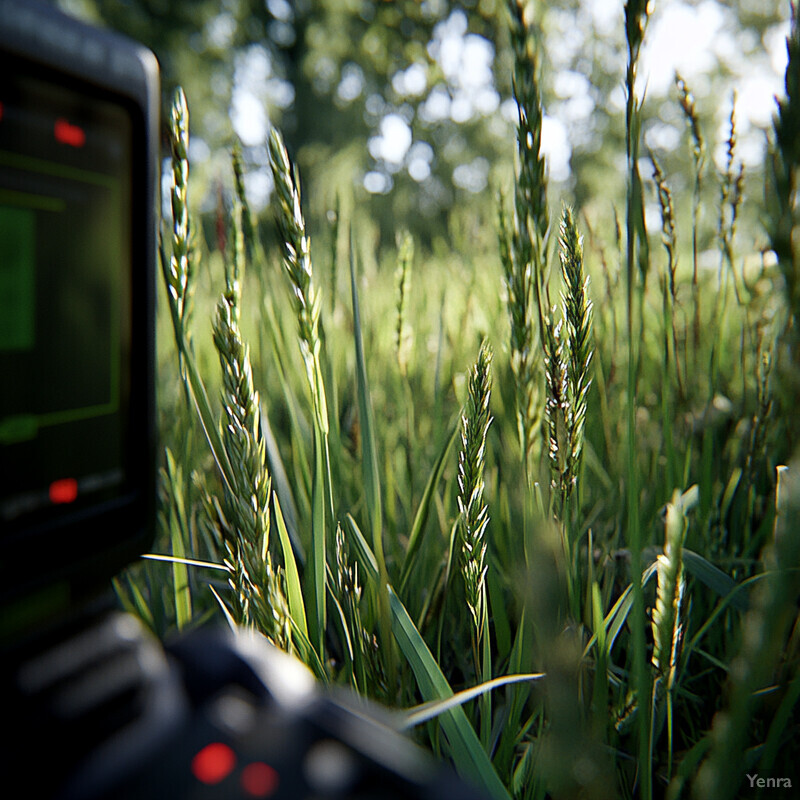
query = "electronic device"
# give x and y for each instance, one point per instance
(95, 707)
(78, 166)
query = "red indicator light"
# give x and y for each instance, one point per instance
(1, 112)
(67, 133)
(213, 763)
(259, 779)
(63, 491)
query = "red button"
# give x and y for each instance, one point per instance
(67, 133)
(64, 490)
(213, 763)
(259, 779)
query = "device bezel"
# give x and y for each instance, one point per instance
(83, 548)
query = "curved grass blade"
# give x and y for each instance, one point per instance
(714, 578)
(189, 562)
(428, 711)
(615, 618)
(225, 610)
(294, 590)
(135, 603)
(283, 488)
(469, 756)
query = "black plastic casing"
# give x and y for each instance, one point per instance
(48, 566)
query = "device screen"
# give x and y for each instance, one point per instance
(65, 299)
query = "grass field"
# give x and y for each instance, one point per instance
(546, 462)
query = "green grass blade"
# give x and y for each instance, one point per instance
(283, 488)
(179, 535)
(615, 618)
(225, 610)
(600, 688)
(421, 517)
(469, 757)
(190, 562)
(721, 606)
(315, 577)
(714, 578)
(369, 450)
(134, 603)
(369, 456)
(307, 653)
(294, 590)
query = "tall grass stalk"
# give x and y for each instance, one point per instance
(636, 15)
(306, 301)
(403, 331)
(689, 108)
(672, 371)
(525, 258)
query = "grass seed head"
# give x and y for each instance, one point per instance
(474, 515)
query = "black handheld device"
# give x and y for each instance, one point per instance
(95, 707)
(78, 165)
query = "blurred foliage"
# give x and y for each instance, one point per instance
(330, 73)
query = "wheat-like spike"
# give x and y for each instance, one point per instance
(556, 371)
(524, 244)
(666, 620)
(636, 15)
(577, 314)
(257, 585)
(334, 217)
(248, 503)
(474, 514)
(531, 189)
(669, 240)
(668, 235)
(279, 619)
(731, 189)
(403, 329)
(349, 593)
(687, 104)
(297, 246)
(248, 228)
(297, 260)
(689, 108)
(178, 267)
